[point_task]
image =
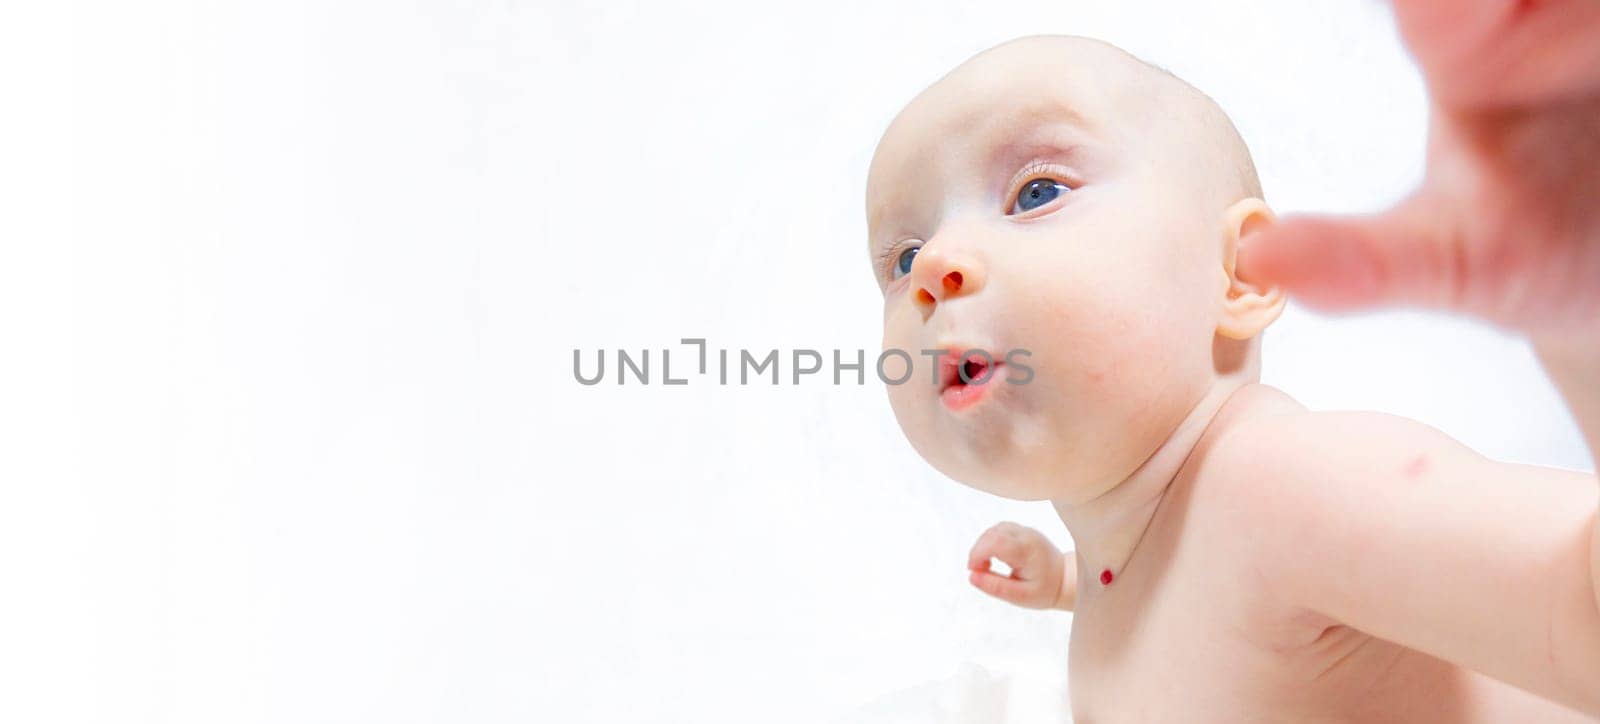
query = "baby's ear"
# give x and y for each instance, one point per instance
(1247, 308)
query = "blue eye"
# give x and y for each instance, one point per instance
(1036, 193)
(902, 263)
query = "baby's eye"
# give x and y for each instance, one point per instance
(1036, 193)
(902, 263)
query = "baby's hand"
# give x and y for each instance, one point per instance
(1041, 576)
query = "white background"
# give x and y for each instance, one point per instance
(288, 298)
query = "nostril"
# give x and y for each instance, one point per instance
(952, 282)
(924, 297)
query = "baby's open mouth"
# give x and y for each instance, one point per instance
(963, 382)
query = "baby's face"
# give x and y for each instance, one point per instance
(1040, 197)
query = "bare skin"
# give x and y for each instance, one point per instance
(1267, 563)
(1338, 567)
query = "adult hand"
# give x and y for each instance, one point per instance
(1506, 225)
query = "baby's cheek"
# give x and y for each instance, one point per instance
(916, 411)
(900, 322)
(1076, 334)
(1115, 356)
(906, 377)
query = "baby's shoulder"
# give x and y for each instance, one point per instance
(1268, 456)
(1269, 435)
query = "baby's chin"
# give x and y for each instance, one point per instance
(1016, 465)
(1016, 482)
(1015, 445)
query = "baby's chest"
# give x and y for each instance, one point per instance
(1188, 654)
(1166, 666)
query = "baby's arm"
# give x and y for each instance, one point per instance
(1573, 362)
(1388, 526)
(1041, 576)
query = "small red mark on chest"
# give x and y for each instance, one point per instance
(1416, 467)
(1106, 578)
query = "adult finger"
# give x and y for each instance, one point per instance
(1406, 255)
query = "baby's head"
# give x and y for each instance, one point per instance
(1058, 195)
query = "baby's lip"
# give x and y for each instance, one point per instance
(981, 364)
(958, 393)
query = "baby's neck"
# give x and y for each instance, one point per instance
(1107, 529)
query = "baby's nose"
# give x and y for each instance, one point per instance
(938, 276)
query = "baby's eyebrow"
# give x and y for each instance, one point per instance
(1037, 121)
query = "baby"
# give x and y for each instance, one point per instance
(1239, 558)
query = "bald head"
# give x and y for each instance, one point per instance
(1097, 88)
(1139, 91)
(1200, 119)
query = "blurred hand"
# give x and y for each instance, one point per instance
(1039, 571)
(1506, 225)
